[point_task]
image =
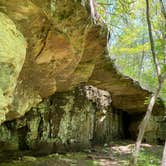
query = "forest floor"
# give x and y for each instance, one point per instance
(116, 154)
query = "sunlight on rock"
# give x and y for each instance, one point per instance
(104, 162)
(123, 149)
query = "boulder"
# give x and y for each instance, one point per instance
(12, 56)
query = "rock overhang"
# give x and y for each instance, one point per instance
(65, 49)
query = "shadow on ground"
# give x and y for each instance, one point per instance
(114, 154)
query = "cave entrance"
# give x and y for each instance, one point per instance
(126, 119)
(22, 132)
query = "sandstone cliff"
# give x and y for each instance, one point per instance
(48, 48)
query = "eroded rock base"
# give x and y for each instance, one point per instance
(72, 121)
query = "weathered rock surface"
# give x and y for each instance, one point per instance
(63, 45)
(12, 55)
(64, 49)
(73, 121)
(155, 131)
(67, 121)
(126, 93)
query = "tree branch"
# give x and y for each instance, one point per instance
(164, 156)
(154, 97)
(156, 63)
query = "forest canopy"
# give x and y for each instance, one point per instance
(129, 44)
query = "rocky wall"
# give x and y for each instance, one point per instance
(67, 121)
(155, 131)
(48, 48)
(12, 56)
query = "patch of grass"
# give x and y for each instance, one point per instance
(118, 154)
(150, 157)
(91, 163)
(17, 164)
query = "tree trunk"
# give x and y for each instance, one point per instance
(161, 79)
(141, 63)
(94, 13)
(143, 125)
(164, 156)
(152, 45)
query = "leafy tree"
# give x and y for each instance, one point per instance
(138, 45)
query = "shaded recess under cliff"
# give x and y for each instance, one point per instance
(66, 121)
(73, 121)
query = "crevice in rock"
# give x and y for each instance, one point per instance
(40, 127)
(44, 41)
(126, 124)
(22, 133)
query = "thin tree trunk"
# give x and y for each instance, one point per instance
(155, 59)
(144, 123)
(164, 47)
(141, 62)
(94, 13)
(164, 156)
(163, 11)
(153, 99)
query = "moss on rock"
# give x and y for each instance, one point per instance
(12, 55)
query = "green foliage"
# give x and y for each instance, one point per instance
(149, 158)
(147, 100)
(129, 44)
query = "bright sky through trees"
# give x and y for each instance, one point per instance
(129, 43)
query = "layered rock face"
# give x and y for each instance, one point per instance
(47, 49)
(67, 121)
(64, 48)
(63, 44)
(73, 121)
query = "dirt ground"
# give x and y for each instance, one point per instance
(114, 154)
